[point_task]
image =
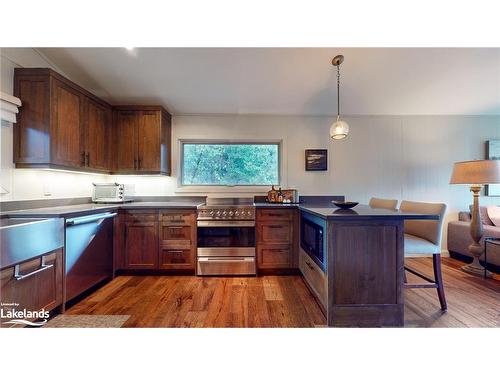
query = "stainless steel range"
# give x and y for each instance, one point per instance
(226, 237)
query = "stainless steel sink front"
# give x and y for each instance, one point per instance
(24, 238)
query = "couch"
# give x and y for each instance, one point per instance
(459, 238)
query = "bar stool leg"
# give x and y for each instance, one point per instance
(436, 262)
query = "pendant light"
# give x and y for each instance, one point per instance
(339, 128)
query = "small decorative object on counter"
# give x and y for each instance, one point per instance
(282, 195)
(291, 195)
(272, 195)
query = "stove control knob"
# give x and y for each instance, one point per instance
(224, 213)
(211, 212)
(217, 213)
(237, 213)
(231, 213)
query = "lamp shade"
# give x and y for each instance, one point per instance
(476, 172)
(339, 129)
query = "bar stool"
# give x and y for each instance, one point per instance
(424, 237)
(389, 204)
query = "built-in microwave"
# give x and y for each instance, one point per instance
(313, 238)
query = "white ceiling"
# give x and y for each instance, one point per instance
(295, 81)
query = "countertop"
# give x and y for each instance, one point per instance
(325, 211)
(93, 208)
(359, 212)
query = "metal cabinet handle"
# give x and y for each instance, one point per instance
(175, 251)
(87, 157)
(43, 267)
(139, 163)
(83, 158)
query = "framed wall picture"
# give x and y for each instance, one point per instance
(317, 160)
(493, 153)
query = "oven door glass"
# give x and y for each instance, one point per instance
(226, 236)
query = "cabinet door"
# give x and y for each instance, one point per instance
(141, 245)
(176, 236)
(125, 141)
(41, 290)
(149, 133)
(273, 255)
(275, 232)
(67, 126)
(97, 136)
(177, 259)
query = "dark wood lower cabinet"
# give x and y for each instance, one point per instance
(41, 290)
(156, 240)
(277, 239)
(176, 259)
(141, 245)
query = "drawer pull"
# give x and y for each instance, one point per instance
(175, 251)
(43, 267)
(309, 265)
(275, 226)
(276, 250)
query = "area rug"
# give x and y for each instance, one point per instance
(87, 321)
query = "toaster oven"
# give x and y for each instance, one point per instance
(112, 193)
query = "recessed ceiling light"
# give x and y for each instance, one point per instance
(130, 49)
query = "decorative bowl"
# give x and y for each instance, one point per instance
(345, 205)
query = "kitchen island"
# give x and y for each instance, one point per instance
(365, 264)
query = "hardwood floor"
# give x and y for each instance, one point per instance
(280, 301)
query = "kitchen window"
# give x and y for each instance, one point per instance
(216, 163)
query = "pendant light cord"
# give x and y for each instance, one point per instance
(338, 92)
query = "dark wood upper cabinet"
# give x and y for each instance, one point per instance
(146, 147)
(125, 147)
(98, 119)
(60, 125)
(66, 141)
(63, 126)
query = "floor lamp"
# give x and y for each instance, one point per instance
(476, 173)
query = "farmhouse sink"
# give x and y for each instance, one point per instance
(24, 238)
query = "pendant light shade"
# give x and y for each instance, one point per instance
(339, 129)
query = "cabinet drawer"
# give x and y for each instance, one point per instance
(177, 217)
(275, 214)
(141, 216)
(176, 259)
(314, 277)
(278, 232)
(37, 290)
(274, 256)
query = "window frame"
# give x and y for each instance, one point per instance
(224, 188)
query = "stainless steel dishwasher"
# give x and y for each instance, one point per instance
(89, 252)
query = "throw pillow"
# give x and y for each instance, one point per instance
(494, 214)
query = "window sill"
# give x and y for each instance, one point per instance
(222, 189)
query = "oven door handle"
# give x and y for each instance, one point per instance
(225, 259)
(226, 223)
